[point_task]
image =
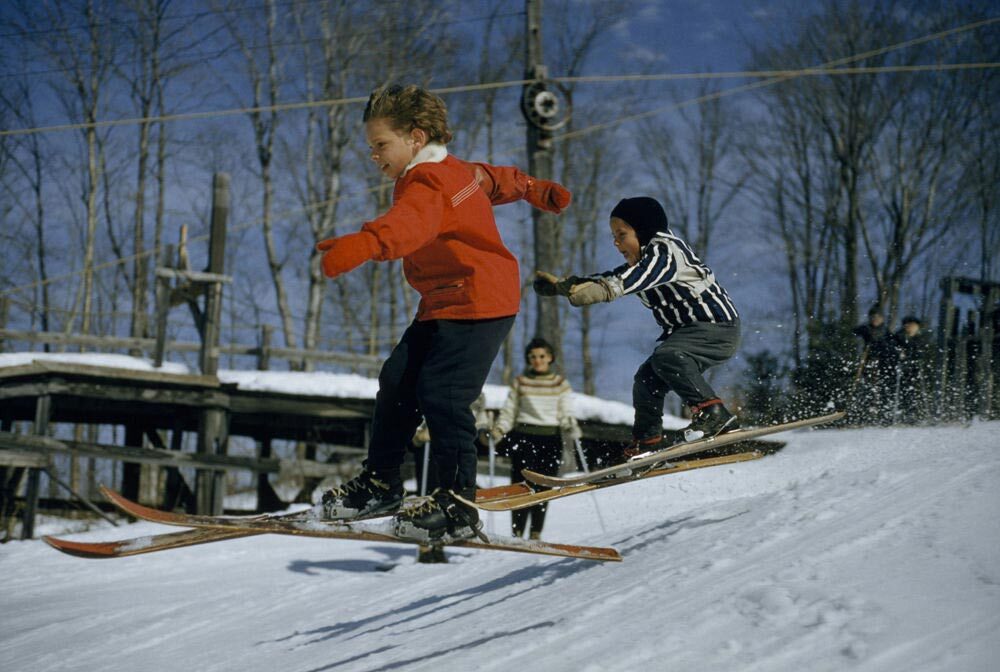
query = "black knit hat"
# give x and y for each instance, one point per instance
(644, 214)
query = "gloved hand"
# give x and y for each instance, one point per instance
(592, 291)
(483, 438)
(422, 435)
(547, 195)
(546, 284)
(496, 433)
(346, 253)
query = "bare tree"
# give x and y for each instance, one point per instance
(979, 152)
(79, 47)
(911, 167)
(263, 79)
(331, 43)
(150, 39)
(694, 160)
(27, 159)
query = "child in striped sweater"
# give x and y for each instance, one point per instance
(536, 418)
(701, 327)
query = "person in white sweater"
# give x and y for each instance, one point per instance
(534, 421)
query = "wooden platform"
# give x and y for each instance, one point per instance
(157, 409)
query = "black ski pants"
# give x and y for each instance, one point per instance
(437, 370)
(541, 454)
(677, 364)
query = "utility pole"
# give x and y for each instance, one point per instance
(541, 109)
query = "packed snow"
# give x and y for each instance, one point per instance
(861, 549)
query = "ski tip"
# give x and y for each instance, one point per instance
(75, 548)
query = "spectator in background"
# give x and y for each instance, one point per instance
(875, 381)
(536, 418)
(914, 370)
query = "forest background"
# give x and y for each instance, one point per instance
(821, 156)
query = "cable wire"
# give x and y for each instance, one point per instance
(776, 80)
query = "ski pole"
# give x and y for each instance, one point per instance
(586, 469)
(493, 462)
(423, 473)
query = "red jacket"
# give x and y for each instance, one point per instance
(441, 225)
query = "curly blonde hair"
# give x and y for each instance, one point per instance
(408, 107)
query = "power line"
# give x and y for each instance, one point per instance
(832, 67)
(745, 74)
(776, 75)
(280, 107)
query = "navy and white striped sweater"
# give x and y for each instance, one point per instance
(673, 282)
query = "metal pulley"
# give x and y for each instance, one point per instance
(541, 107)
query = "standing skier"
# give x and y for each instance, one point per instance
(701, 327)
(441, 225)
(536, 418)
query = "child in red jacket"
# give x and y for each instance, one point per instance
(441, 225)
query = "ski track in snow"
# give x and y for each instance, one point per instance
(866, 549)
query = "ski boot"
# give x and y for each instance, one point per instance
(364, 496)
(440, 518)
(710, 418)
(642, 447)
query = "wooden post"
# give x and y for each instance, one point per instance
(946, 400)
(213, 439)
(162, 307)
(267, 498)
(10, 477)
(176, 491)
(132, 471)
(209, 361)
(264, 353)
(984, 374)
(993, 316)
(4, 306)
(43, 412)
(213, 429)
(539, 146)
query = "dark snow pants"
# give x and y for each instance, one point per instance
(437, 370)
(677, 364)
(541, 454)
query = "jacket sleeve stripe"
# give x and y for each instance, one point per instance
(464, 193)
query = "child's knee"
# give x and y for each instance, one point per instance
(669, 361)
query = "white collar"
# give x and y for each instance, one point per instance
(432, 152)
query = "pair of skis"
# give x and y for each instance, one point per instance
(208, 529)
(303, 523)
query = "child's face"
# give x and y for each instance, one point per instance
(392, 150)
(539, 360)
(625, 240)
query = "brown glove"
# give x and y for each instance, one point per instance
(595, 291)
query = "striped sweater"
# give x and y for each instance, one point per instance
(541, 401)
(674, 283)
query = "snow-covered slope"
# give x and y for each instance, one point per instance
(874, 549)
